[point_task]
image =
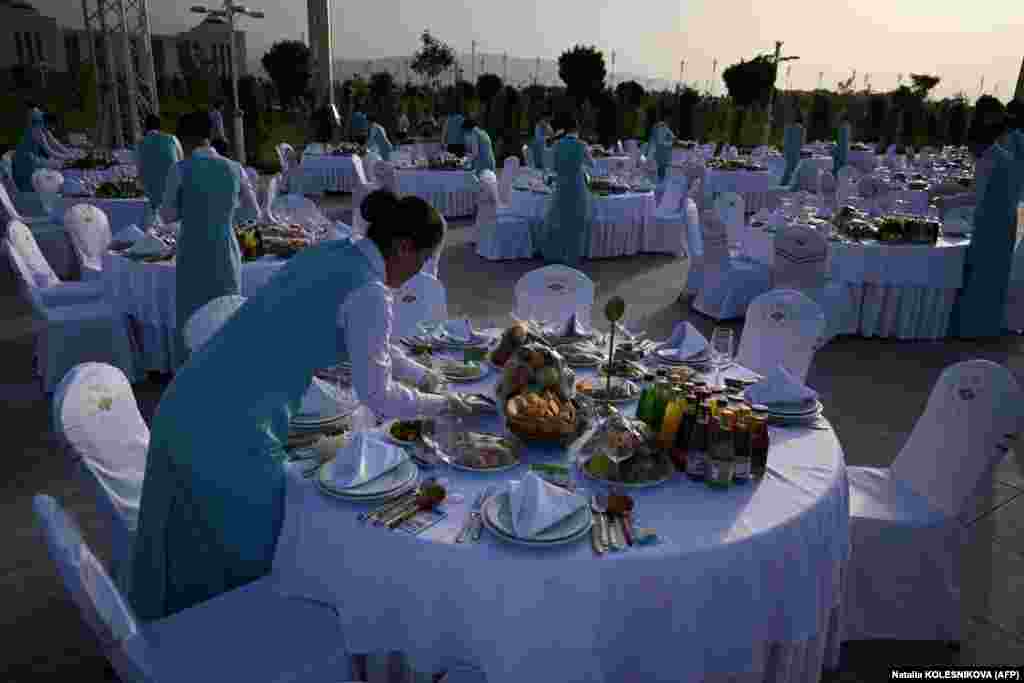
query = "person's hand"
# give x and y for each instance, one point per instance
(458, 406)
(431, 383)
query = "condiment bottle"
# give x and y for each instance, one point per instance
(741, 443)
(721, 464)
(697, 455)
(685, 433)
(759, 444)
(662, 395)
(673, 417)
(643, 408)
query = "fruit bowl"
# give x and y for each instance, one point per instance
(535, 395)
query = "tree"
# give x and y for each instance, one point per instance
(290, 65)
(922, 84)
(432, 59)
(465, 91)
(987, 124)
(685, 113)
(583, 72)
(958, 120)
(382, 85)
(487, 87)
(749, 83)
(630, 93)
(846, 87)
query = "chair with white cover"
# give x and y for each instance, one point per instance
(370, 159)
(360, 190)
(47, 184)
(730, 208)
(499, 235)
(297, 208)
(89, 230)
(384, 175)
(509, 173)
(52, 238)
(903, 579)
(728, 285)
(422, 298)
(666, 231)
(75, 328)
(37, 273)
(209, 318)
(801, 263)
(285, 156)
(555, 293)
(98, 422)
(783, 327)
(695, 244)
(251, 634)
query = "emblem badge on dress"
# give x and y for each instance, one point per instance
(408, 299)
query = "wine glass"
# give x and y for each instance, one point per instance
(722, 350)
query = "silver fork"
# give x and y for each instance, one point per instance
(478, 522)
(474, 510)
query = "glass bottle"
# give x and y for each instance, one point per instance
(721, 464)
(741, 445)
(643, 408)
(662, 395)
(760, 441)
(673, 417)
(697, 454)
(685, 433)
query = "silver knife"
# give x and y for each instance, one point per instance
(464, 531)
(478, 521)
(618, 538)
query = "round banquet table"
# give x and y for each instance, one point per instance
(146, 293)
(903, 291)
(619, 220)
(453, 193)
(327, 173)
(611, 164)
(753, 186)
(101, 175)
(744, 584)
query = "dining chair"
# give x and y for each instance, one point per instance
(89, 230)
(422, 298)
(555, 292)
(731, 210)
(782, 327)
(252, 633)
(667, 229)
(509, 173)
(209, 318)
(40, 276)
(728, 285)
(499, 235)
(906, 520)
(360, 190)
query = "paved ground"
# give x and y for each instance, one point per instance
(873, 391)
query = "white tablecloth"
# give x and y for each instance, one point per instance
(327, 173)
(146, 292)
(737, 575)
(101, 175)
(607, 165)
(752, 185)
(453, 193)
(865, 160)
(619, 220)
(422, 150)
(905, 291)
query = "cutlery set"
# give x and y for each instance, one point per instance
(474, 523)
(609, 532)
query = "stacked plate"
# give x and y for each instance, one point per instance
(497, 517)
(330, 409)
(444, 340)
(670, 356)
(794, 413)
(392, 483)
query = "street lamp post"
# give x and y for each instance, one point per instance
(228, 11)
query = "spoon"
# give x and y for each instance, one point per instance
(613, 533)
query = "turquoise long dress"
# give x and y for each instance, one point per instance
(565, 235)
(378, 139)
(793, 142)
(360, 125)
(660, 147)
(158, 154)
(484, 160)
(453, 130)
(209, 262)
(980, 307)
(213, 494)
(538, 146)
(30, 155)
(842, 150)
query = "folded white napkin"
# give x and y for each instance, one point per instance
(132, 234)
(537, 505)
(321, 400)
(459, 330)
(686, 340)
(574, 328)
(148, 245)
(73, 187)
(779, 387)
(366, 456)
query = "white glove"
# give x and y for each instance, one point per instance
(431, 383)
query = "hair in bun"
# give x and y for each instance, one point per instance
(379, 206)
(393, 219)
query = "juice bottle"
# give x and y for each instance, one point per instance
(673, 417)
(643, 409)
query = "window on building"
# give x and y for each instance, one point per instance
(72, 53)
(20, 47)
(40, 53)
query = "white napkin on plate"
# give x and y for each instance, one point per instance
(148, 245)
(574, 328)
(130, 234)
(321, 400)
(780, 387)
(686, 341)
(459, 330)
(366, 456)
(537, 505)
(73, 187)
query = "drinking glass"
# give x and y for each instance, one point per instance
(722, 350)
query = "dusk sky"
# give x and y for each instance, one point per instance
(959, 41)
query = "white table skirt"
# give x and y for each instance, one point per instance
(327, 173)
(453, 193)
(737, 574)
(619, 224)
(147, 293)
(752, 185)
(609, 165)
(904, 291)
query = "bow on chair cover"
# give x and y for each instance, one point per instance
(209, 263)
(565, 233)
(980, 306)
(157, 154)
(793, 141)
(842, 150)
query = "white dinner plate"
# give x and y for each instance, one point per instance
(369, 499)
(795, 410)
(497, 512)
(667, 355)
(387, 483)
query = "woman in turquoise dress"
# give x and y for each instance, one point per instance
(539, 144)
(565, 234)
(213, 493)
(360, 124)
(842, 150)
(378, 139)
(31, 153)
(479, 142)
(454, 138)
(793, 142)
(980, 306)
(203, 192)
(660, 148)
(158, 154)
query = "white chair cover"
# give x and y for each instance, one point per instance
(273, 189)
(499, 235)
(695, 242)
(369, 160)
(209, 318)
(36, 273)
(89, 230)
(555, 292)
(98, 420)
(728, 285)
(285, 156)
(729, 207)
(423, 297)
(384, 173)
(782, 327)
(903, 580)
(509, 173)
(47, 181)
(359, 192)
(252, 633)
(666, 231)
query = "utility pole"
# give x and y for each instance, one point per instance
(536, 73)
(775, 74)
(682, 70)
(472, 62)
(504, 77)
(613, 69)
